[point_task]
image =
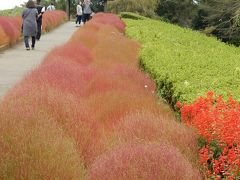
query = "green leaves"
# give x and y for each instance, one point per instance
(185, 64)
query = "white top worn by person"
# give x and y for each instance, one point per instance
(79, 9)
(51, 7)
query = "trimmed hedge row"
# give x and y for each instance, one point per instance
(185, 64)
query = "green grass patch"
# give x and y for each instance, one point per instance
(12, 12)
(131, 15)
(185, 64)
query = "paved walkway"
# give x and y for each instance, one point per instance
(16, 62)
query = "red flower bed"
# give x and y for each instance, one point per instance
(218, 123)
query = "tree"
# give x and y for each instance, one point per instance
(220, 18)
(142, 7)
(177, 11)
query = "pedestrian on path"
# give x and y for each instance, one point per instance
(41, 10)
(87, 10)
(51, 7)
(29, 16)
(79, 13)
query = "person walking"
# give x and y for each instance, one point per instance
(51, 7)
(40, 10)
(87, 10)
(29, 16)
(79, 13)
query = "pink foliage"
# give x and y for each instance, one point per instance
(65, 75)
(11, 27)
(70, 51)
(4, 39)
(143, 161)
(91, 91)
(32, 145)
(111, 19)
(120, 78)
(114, 48)
(149, 127)
(52, 19)
(110, 106)
(31, 100)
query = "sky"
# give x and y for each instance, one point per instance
(9, 4)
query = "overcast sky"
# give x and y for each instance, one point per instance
(9, 4)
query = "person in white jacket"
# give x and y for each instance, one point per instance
(51, 7)
(79, 13)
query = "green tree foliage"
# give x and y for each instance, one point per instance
(143, 7)
(220, 18)
(179, 12)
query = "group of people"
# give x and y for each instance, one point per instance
(32, 18)
(32, 21)
(84, 11)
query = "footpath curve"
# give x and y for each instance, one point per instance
(16, 62)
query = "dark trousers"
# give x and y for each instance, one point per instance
(78, 20)
(26, 41)
(39, 30)
(86, 17)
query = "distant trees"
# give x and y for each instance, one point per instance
(179, 12)
(142, 7)
(220, 18)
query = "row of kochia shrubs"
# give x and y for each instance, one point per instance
(186, 65)
(11, 27)
(88, 112)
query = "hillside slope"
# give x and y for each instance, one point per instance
(185, 64)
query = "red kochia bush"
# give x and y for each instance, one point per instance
(11, 26)
(143, 161)
(71, 51)
(88, 34)
(110, 106)
(114, 48)
(149, 127)
(4, 39)
(35, 147)
(65, 75)
(30, 100)
(120, 78)
(217, 122)
(52, 19)
(111, 19)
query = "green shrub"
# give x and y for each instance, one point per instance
(185, 64)
(12, 12)
(144, 7)
(130, 15)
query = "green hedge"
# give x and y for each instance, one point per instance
(12, 12)
(185, 64)
(131, 15)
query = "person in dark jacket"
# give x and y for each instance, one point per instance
(29, 16)
(40, 10)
